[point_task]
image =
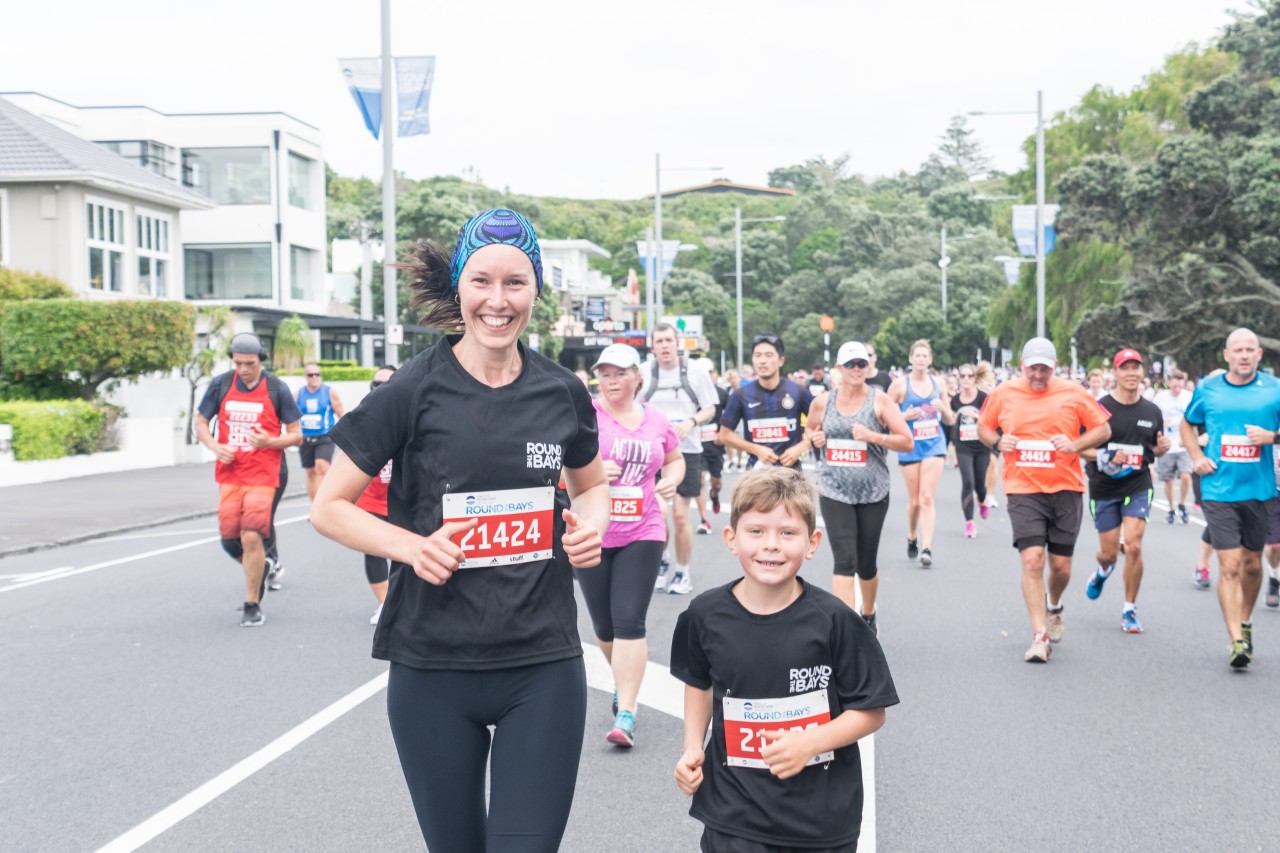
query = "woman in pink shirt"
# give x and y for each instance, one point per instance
(636, 442)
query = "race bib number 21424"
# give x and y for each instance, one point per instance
(516, 525)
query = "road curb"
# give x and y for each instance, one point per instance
(124, 528)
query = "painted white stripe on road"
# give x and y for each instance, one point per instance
(220, 784)
(46, 577)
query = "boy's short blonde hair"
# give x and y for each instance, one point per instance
(762, 489)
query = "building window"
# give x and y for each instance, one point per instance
(154, 258)
(228, 175)
(300, 169)
(227, 272)
(105, 239)
(303, 274)
(337, 350)
(149, 154)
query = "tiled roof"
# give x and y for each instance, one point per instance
(31, 147)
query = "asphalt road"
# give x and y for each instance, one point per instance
(131, 702)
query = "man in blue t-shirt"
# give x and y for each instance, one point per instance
(1240, 411)
(770, 407)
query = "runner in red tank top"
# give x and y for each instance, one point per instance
(248, 448)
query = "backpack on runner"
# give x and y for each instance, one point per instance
(684, 380)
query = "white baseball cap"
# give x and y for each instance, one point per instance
(849, 350)
(1039, 351)
(619, 355)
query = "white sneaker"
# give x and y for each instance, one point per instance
(660, 585)
(373, 620)
(992, 503)
(681, 584)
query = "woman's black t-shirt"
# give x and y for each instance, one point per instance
(771, 668)
(967, 423)
(496, 453)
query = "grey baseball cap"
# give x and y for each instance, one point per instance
(1039, 351)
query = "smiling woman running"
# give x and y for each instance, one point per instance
(479, 622)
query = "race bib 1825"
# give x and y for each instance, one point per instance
(516, 525)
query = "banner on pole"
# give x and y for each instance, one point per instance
(670, 248)
(364, 80)
(1024, 228)
(414, 75)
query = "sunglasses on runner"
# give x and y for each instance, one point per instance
(313, 374)
(772, 340)
(966, 375)
(857, 362)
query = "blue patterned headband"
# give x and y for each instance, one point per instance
(496, 226)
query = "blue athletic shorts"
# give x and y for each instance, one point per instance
(1107, 513)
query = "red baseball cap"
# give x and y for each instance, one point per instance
(1126, 355)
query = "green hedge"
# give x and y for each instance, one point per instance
(52, 429)
(18, 285)
(338, 374)
(90, 342)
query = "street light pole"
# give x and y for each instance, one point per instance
(1040, 271)
(737, 276)
(657, 231)
(737, 255)
(390, 303)
(1039, 213)
(943, 262)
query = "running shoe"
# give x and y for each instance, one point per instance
(1040, 649)
(715, 502)
(1201, 577)
(1273, 592)
(704, 528)
(660, 585)
(681, 584)
(1246, 631)
(1240, 657)
(970, 530)
(1170, 517)
(984, 511)
(377, 614)
(275, 571)
(926, 558)
(623, 732)
(251, 616)
(913, 550)
(1056, 626)
(1094, 589)
(871, 623)
(1182, 514)
(992, 502)
(1129, 622)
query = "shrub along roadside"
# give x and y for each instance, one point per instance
(337, 374)
(52, 429)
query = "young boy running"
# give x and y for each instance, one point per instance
(788, 678)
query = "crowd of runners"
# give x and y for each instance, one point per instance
(481, 480)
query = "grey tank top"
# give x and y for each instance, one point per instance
(849, 482)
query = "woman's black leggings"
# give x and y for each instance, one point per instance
(618, 591)
(440, 720)
(854, 533)
(973, 477)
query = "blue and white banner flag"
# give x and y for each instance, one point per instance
(364, 79)
(414, 75)
(670, 248)
(1024, 228)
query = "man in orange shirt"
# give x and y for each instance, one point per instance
(1040, 423)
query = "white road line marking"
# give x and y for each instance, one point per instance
(22, 576)
(166, 818)
(153, 535)
(70, 572)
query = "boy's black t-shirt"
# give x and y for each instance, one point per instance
(1132, 426)
(817, 643)
(446, 432)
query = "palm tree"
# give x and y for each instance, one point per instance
(292, 345)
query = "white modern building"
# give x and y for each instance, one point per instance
(251, 221)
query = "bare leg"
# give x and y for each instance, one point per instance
(1033, 586)
(253, 561)
(911, 476)
(628, 659)
(1133, 530)
(930, 476)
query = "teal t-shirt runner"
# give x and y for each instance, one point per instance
(1244, 468)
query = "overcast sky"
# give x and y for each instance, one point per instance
(574, 97)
